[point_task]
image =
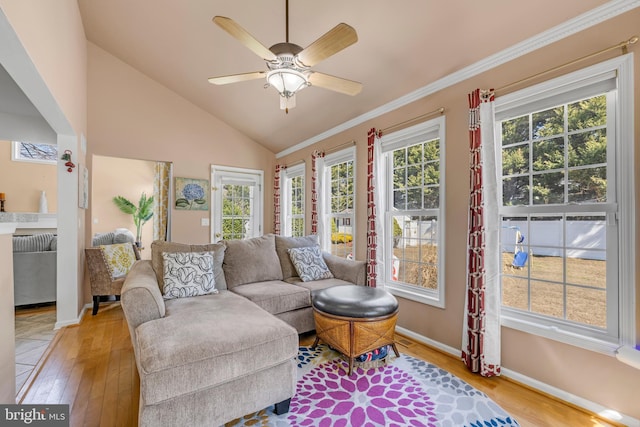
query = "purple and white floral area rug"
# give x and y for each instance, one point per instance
(404, 392)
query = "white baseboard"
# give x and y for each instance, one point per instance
(71, 322)
(588, 405)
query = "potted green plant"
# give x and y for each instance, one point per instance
(141, 213)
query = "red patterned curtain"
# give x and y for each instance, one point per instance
(276, 200)
(372, 237)
(314, 191)
(481, 330)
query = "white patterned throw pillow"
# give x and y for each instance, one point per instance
(309, 263)
(188, 274)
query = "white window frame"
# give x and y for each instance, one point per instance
(223, 175)
(286, 215)
(428, 130)
(16, 157)
(623, 122)
(348, 154)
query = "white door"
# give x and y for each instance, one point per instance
(236, 211)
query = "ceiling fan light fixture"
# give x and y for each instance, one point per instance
(287, 82)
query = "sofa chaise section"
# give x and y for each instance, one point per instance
(205, 360)
(209, 359)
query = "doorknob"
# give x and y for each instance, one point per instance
(218, 235)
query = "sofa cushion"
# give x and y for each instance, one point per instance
(119, 258)
(318, 284)
(187, 274)
(206, 341)
(309, 263)
(251, 260)
(37, 243)
(275, 296)
(283, 244)
(160, 246)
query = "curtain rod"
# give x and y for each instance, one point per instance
(622, 45)
(422, 116)
(296, 163)
(338, 147)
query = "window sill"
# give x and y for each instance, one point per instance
(554, 333)
(415, 295)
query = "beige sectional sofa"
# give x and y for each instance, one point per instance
(209, 359)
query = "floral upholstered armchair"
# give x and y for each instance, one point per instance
(108, 266)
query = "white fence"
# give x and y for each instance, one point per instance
(584, 239)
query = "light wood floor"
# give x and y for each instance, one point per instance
(91, 367)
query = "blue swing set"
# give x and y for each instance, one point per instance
(520, 256)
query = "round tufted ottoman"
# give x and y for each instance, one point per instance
(355, 319)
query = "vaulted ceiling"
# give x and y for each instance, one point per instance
(402, 47)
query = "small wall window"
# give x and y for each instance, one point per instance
(34, 152)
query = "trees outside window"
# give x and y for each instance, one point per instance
(34, 152)
(562, 175)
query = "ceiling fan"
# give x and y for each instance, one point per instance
(289, 65)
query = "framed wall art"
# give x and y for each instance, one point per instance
(192, 194)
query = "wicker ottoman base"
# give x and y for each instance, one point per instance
(353, 336)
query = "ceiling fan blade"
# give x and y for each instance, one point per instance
(336, 84)
(332, 42)
(240, 34)
(234, 78)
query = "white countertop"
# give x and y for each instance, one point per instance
(18, 217)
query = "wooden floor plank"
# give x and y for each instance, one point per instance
(92, 368)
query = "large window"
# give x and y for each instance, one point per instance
(414, 219)
(339, 203)
(34, 152)
(292, 201)
(562, 166)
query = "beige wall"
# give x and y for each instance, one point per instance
(592, 376)
(22, 182)
(114, 176)
(132, 116)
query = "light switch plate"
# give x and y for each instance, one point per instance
(204, 222)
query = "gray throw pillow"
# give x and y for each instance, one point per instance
(309, 263)
(103, 239)
(188, 274)
(251, 260)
